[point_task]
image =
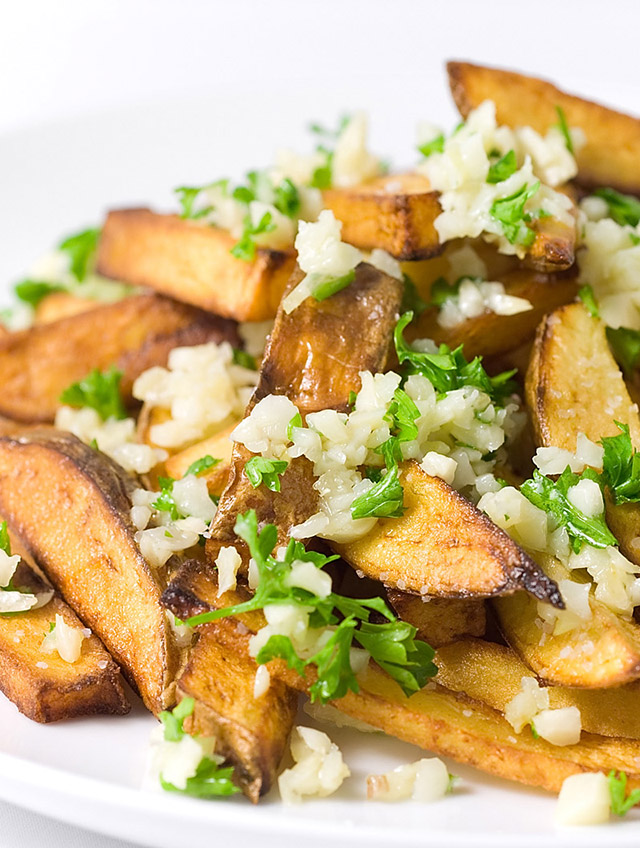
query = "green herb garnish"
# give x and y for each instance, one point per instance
(411, 300)
(323, 286)
(510, 214)
(187, 196)
(503, 168)
(623, 208)
(201, 465)
(621, 466)
(625, 346)
(34, 291)
(436, 145)
(245, 247)
(587, 296)
(563, 126)
(241, 357)
(81, 249)
(259, 470)
(99, 390)
(621, 803)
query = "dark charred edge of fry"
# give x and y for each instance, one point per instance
(538, 398)
(455, 74)
(528, 575)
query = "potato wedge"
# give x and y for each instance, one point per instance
(440, 621)
(494, 335)
(452, 724)
(444, 547)
(604, 651)
(70, 506)
(192, 263)
(611, 155)
(219, 447)
(43, 686)
(36, 365)
(493, 673)
(58, 305)
(314, 356)
(397, 213)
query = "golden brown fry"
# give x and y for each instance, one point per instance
(36, 365)
(604, 651)
(395, 213)
(611, 155)
(314, 356)
(491, 334)
(192, 263)
(219, 447)
(443, 546)
(58, 305)
(493, 674)
(70, 506)
(440, 621)
(43, 686)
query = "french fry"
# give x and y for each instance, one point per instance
(493, 673)
(36, 365)
(611, 155)
(397, 213)
(58, 305)
(70, 506)
(443, 546)
(192, 263)
(440, 621)
(219, 447)
(43, 686)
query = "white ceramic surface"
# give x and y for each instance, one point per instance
(60, 176)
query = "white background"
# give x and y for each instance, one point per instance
(207, 64)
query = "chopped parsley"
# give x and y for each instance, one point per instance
(623, 208)
(241, 357)
(385, 499)
(323, 286)
(563, 126)
(587, 296)
(33, 291)
(322, 176)
(165, 502)
(245, 247)
(552, 497)
(448, 369)
(81, 248)
(510, 214)
(503, 168)
(201, 465)
(287, 198)
(187, 196)
(259, 470)
(5, 542)
(296, 421)
(391, 644)
(210, 779)
(625, 346)
(442, 290)
(436, 145)
(99, 390)
(621, 466)
(621, 803)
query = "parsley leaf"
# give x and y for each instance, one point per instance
(33, 291)
(402, 415)
(245, 247)
(165, 502)
(448, 369)
(623, 208)
(552, 498)
(296, 421)
(392, 645)
(259, 470)
(436, 145)
(201, 465)
(5, 542)
(563, 126)
(503, 168)
(625, 346)
(621, 466)
(323, 286)
(411, 300)
(442, 290)
(384, 499)
(587, 296)
(210, 781)
(621, 803)
(287, 198)
(187, 196)
(172, 721)
(509, 212)
(241, 357)
(81, 248)
(100, 391)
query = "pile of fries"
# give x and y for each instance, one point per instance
(459, 609)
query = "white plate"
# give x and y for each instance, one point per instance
(54, 180)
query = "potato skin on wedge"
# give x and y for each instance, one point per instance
(611, 155)
(38, 364)
(440, 621)
(43, 686)
(192, 263)
(444, 547)
(70, 506)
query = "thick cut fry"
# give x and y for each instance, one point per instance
(60, 305)
(493, 674)
(398, 213)
(611, 155)
(192, 262)
(314, 356)
(36, 365)
(43, 686)
(252, 732)
(443, 546)
(219, 447)
(70, 506)
(452, 725)
(604, 651)
(394, 213)
(440, 621)
(492, 335)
